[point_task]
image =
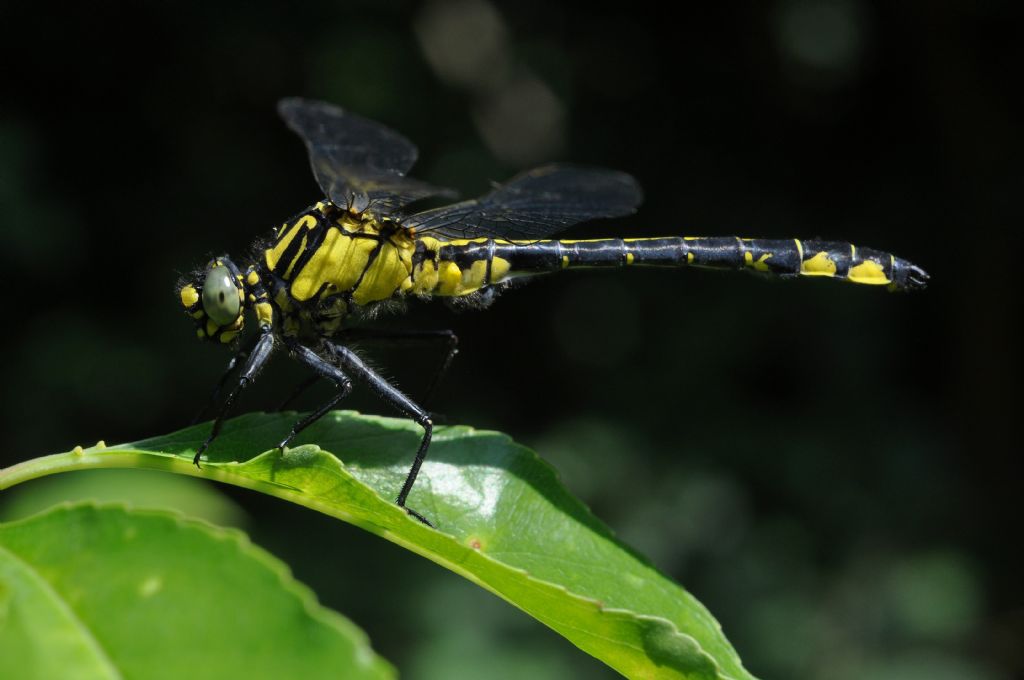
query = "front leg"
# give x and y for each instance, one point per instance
(256, 361)
(215, 394)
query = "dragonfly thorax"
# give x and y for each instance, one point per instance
(326, 252)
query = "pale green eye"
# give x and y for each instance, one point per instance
(220, 296)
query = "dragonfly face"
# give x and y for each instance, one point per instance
(216, 301)
(364, 244)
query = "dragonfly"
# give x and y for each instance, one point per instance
(365, 245)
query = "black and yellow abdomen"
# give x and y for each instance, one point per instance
(328, 261)
(452, 268)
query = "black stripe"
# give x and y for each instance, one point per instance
(537, 257)
(315, 238)
(290, 254)
(464, 255)
(606, 252)
(369, 264)
(722, 252)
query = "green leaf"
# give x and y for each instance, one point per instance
(136, 488)
(503, 521)
(90, 591)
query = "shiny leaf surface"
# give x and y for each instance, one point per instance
(503, 520)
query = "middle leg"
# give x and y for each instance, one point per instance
(321, 368)
(446, 338)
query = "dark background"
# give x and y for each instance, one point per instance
(833, 470)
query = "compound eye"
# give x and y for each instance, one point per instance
(220, 296)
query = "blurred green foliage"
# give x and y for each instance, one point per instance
(101, 591)
(836, 463)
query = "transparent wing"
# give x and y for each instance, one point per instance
(358, 163)
(534, 204)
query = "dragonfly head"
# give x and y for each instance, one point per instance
(214, 297)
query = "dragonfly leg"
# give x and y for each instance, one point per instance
(256, 361)
(322, 368)
(350, 361)
(446, 338)
(215, 394)
(393, 337)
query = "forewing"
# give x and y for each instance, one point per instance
(358, 163)
(534, 205)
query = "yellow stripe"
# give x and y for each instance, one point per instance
(264, 313)
(819, 265)
(273, 255)
(449, 277)
(473, 278)
(385, 275)
(291, 265)
(759, 264)
(499, 268)
(424, 278)
(869, 272)
(338, 262)
(189, 296)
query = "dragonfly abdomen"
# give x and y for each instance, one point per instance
(495, 260)
(812, 258)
